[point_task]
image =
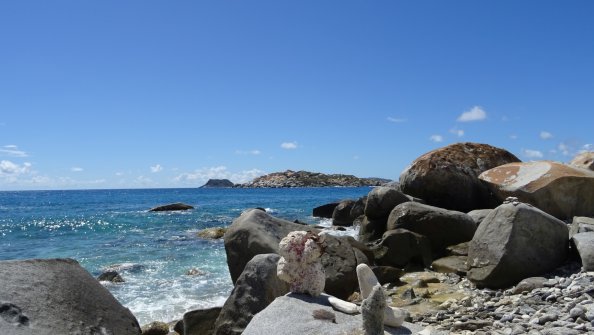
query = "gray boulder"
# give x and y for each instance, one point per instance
(584, 244)
(293, 314)
(199, 322)
(381, 201)
(325, 211)
(171, 207)
(516, 242)
(155, 328)
(371, 229)
(478, 215)
(255, 289)
(442, 227)
(581, 224)
(448, 177)
(399, 247)
(451, 264)
(340, 260)
(341, 216)
(561, 190)
(358, 208)
(58, 296)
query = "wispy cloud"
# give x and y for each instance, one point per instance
(156, 168)
(12, 151)
(476, 113)
(8, 168)
(77, 169)
(532, 154)
(436, 138)
(587, 147)
(217, 172)
(254, 152)
(545, 135)
(396, 120)
(457, 132)
(513, 137)
(565, 149)
(289, 145)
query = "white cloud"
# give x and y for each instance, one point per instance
(156, 168)
(457, 132)
(476, 113)
(217, 172)
(396, 120)
(289, 145)
(76, 169)
(13, 151)
(513, 137)
(254, 152)
(8, 168)
(532, 154)
(545, 135)
(564, 149)
(119, 174)
(436, 138)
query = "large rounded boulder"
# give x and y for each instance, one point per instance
(380, 202)
(341, 216)
(441, 226)
(514, 242)
(561, 190)
(58, 296)
(448, 177)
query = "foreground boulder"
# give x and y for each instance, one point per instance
(296, 314)
(341, 216)
(325, 211)
(561, 190)
(380, 202)
(58, 296)
(171, 207)
(514, 242)
(448, 177)
(199, 322)
(442, 227)
(255, 289)
(585, 160)
(584, 244)
(400, 247)
(256, 232)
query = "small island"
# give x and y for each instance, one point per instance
(291, 178)
(218, 183)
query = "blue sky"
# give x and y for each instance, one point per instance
(117, 94)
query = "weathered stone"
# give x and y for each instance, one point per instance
(300, 265)
(155, 328)
(111, 276)
(585, 160)
(448, 177)
(372, 229)
(478, 215)
(584, 243)
(341, 216)
(451, 264)
(372, 311)
(387, 274)
(58, 296)
(325, 211)
(442, 227)
(367, 280)
(504, 248)
(381, 201)
(213, 233)
(460, 249)
(400, 247)
(200, 322)
(529, 284)
(358, 208)
(561, 190)
(581, 224)
(255, 289)
(171, 207)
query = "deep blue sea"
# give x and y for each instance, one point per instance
(105, 229)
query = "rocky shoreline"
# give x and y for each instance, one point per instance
(471, 241)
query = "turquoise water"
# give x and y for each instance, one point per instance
(152, 250)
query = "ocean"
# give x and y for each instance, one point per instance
(153, 251)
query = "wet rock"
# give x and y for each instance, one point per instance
(213, 233)
(584, 243)
(171, 207)
(399, 247)
(155, 328)
(451, 264)
(200, 322)
(325, 211)
(111, 276)
(341, 216)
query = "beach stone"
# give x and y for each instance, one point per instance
(58, 296)
(155, 328)
(325, 211)
(171, 207)
(399, 247)
(448, 177)
(372, 311)
(581, 224)
(503, 251)
(529, 284)
(200, 321)
(367, 280)
(460, 249)
(442, 227)
(213, 233)
(478, 215)
(584, 243)
(451, 264)
(381, 201)
(255, 289)
(111, 276)
(341, 216)
(387, 274)
(561, 190)
(584, 160)
(300, 265)
(294, 313)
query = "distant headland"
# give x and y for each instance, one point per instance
(291, 178)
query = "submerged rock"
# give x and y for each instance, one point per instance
(111, 276)
(171, 207)
(325, 211)
(213, 233)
